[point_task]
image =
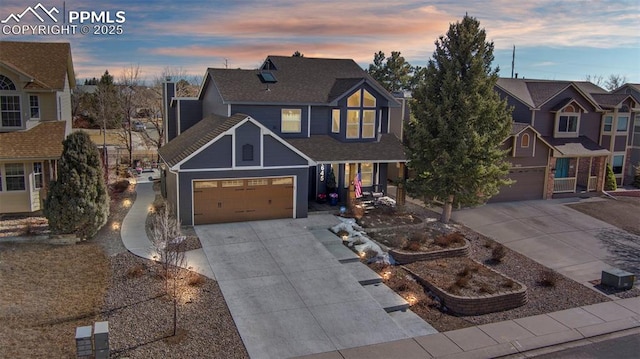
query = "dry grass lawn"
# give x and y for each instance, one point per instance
(622, 212)
(45, 293)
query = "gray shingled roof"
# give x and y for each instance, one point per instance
(610, 100)
(322, 148)
(300, 80)
(535, 93)
(197, 136)
(517, 127)
(576, 146)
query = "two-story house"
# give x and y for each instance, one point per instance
(259, 144)
(633, 138)
(36, 79)
(564, 134)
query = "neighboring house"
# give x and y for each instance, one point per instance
(633, 150)
(35, 117)
(258, 144)
(563, 136)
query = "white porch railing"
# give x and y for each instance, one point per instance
(562, 185)
(592, 185)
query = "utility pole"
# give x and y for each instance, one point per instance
(513, 60)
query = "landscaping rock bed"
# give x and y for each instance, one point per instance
(466, 287)
(406, 257)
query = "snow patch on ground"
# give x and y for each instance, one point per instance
(358, 240)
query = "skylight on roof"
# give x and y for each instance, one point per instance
(267, 77)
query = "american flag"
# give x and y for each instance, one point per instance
(357, 182)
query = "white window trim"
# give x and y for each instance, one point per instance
(372, 125)
(335, 129)
(32, 107)
(626, 129)
(362, 172)
(604, 124)
(282, 120)
(560, 134)
(23, 178)
(22, 122)
(353, 124)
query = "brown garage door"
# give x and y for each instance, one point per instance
(236, 200)
(529, 185)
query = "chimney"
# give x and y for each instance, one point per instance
(169, 118)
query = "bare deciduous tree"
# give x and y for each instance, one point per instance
(167, 240)
(128, 102)
(611, 83)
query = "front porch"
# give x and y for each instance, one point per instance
(576, 175)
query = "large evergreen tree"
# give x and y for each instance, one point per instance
(394, 73)
(458, 122)
(78, 201)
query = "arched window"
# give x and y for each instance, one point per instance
(6, 84)
(524, 140)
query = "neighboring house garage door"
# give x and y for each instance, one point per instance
(236, 200)
(529, 185)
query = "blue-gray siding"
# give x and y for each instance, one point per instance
(270, 117)
(277, 154)
(248, 135)
(212, 101)
(190, 113)
(217, 155)
(186, 190)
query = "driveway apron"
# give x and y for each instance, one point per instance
(559, 237)
(288, 295)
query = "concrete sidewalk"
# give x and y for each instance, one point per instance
(517, 338)
(134, 235)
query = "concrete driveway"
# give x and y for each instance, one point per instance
(288, 295)
(561, 238)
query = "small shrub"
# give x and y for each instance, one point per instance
(419, 237)
(488, 244)
(610, 180)
(485, 288)
(547, 278)
(468, 270)
(135, 271)
(121, 186)
(462, 282)
(413, 246)
(450, 239)
(398, 241)
(498, 253)
(357, 212)
(508, 284)
(454, 289)
(195, 280)
(159, 205)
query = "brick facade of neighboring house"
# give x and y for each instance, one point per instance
(259, 144)
(36, 79)
(564, 134)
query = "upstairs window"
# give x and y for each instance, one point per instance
(335, 120)
(291, 121)
(636, 134)
(10, 111)
(361, 115)
(608, 123)
(524, 141)
(567, 122)
(6, 84)
(34, 106)
(247, 152)
(623, 123)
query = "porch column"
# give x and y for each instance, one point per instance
(550, 178)
(351, 196)
(401, 193)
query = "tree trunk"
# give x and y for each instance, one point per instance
(446, 209)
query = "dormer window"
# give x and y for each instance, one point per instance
(524, 140)
(10, 109)
(568, 121)
(268, 77)
(361, 115)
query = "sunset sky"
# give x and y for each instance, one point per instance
(561, 40)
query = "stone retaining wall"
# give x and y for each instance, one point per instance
(406, 257)
(483, 304)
